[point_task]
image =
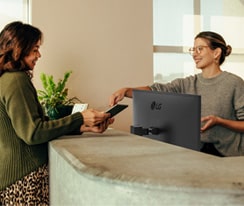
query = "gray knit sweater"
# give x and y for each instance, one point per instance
(222, 96)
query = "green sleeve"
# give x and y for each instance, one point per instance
(26, 114)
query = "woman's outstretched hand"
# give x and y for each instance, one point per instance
(117, 96)
(209, 121)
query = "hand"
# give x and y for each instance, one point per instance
(124, 92)
(209, 121)
(93, 117)
(117, 96)
(100, 128)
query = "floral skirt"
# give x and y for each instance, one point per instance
(33, 189)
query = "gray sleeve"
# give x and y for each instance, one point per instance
(239, 100)
(179, 85)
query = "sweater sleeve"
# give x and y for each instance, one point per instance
(26, 116)
(179, 85)
(239, 98)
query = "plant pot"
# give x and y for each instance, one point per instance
(60, 111)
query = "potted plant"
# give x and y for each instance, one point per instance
(54, 96)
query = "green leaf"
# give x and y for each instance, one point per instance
(54, 93)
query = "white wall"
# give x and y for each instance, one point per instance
(106, 43)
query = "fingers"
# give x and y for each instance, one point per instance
(93, 117)
(100, 128)
(110, 121)
(104, 125)
(209, 121)
(117, 96)
(114, 99)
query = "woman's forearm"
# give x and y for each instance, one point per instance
(236, 125)
(128, 92)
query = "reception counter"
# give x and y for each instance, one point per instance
(118, 168)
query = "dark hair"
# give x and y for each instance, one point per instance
(16, 41)
(216, 41)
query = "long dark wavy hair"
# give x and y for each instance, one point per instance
(216, 41)
(16, 42)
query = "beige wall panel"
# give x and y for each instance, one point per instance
(107, 44)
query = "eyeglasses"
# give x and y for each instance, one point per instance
(197, 49)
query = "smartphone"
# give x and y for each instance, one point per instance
(116, 109)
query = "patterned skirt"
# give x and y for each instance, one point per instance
(33, 189)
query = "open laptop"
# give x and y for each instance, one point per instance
(169, 117)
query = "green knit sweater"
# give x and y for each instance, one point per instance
(222, 96)
(24, 133)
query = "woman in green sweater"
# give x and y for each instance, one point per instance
(222, 95)
(24, 130)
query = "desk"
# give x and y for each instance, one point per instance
(118, 168)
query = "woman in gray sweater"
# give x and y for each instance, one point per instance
(222, 95)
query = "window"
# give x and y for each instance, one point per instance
(175, 25)
(13, 10)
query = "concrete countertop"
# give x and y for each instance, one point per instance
(122, 158)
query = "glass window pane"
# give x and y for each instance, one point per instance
(176, 26)
(168, 66)
(226, 19)
(12, 10)
(168, 18)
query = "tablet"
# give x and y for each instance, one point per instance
(116, 109)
